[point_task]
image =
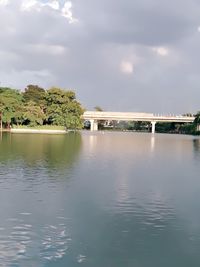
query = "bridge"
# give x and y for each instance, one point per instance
(95, 116)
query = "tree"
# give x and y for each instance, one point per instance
(197, 121)
(10, 102)
(1, 125)
(35, 94)
(33, 115)
(98, 108)
(141, 126)
(197, 118)
(35, 106)
(63, 108)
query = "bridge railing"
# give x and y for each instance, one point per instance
(101, 115)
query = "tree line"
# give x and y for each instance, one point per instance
(161, 127)
(36, 106)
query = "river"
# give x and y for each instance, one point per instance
(103, 199)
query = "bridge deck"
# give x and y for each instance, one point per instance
(134, 116)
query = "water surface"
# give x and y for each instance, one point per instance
(99, 199)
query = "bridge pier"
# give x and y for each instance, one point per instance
(153, 126)
(93, 125)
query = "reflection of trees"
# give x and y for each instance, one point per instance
(196, 146)
(53, 150)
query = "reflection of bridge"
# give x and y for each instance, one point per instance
(94, 116)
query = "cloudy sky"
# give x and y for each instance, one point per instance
(123, 55)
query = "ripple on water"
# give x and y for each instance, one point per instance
(20, 241)
(152, 211)
(55, 242)
(81, 258)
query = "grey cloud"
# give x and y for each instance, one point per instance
(145, 22)
(89, 53)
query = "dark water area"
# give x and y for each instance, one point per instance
(103, 199)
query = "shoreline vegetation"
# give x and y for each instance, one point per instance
(38, 107)
(56, 110)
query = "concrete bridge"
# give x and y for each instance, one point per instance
(95, 116)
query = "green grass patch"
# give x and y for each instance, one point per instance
(40, 127)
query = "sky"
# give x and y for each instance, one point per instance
(124, 55)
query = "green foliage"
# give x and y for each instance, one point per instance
(36, 106)
(10, 102)
(192, 128)
(35, 94)
(141, 126)
(166, 127)
(33, 115)
(197, 118)
(188, 128)
(63, 109)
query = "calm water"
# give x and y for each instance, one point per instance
(99, 200)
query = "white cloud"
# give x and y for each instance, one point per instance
(198, 29)
(67, 12)
(126, 67)
(28, 5)
(4, 2)
(37, 5)
(53, 4)
(161, 51)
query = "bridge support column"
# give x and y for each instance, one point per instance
(93, 125)
(153, 126)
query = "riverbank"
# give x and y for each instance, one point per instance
(38, 131)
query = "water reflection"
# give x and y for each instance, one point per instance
(52, 150)
(149, 200)
(152, 143)
(130, 200)
(35, 171)
(196, 145)
(92, 141)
